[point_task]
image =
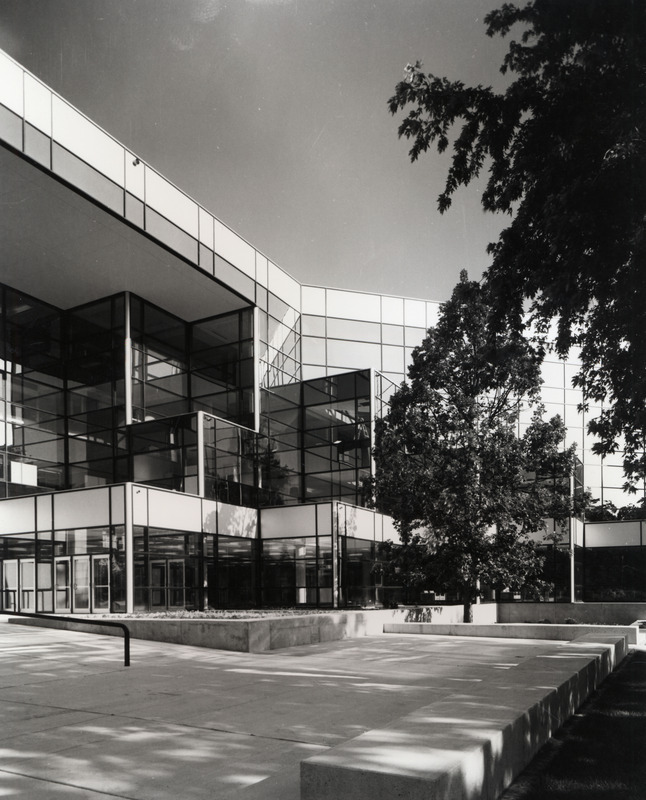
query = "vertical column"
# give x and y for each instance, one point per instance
(130, 572)
(200, 453)
(256, 371)
(128, 361)
(334, 508)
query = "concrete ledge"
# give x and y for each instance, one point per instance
(514, 630)
(584, 613)
(243, 635)
(469, 746)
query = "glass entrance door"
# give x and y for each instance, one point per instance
(63, 587)
(167, 589)
(176, 583)
(27, 585)
(10, 585)
(81, 594)
(158, 584)
(100, 583)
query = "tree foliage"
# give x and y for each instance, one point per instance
(451, 467)
(565, 151)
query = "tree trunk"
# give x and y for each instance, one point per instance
(469, 595)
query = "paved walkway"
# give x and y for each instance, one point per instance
(186, 722)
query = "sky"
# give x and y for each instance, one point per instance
(273, 115)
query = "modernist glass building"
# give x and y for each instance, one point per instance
(182, 423)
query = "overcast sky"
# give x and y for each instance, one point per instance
(273, 115)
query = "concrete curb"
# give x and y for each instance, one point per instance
(472, 745)
(514, 630)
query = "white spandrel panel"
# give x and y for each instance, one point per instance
(44, 512)
(284, 286)
(415, 313)
(174, 511)
(313, 300)
(353, 305)
(237, 521)
(288, 521)
(11, 86)
(117, 504)
(86, 141)
(18, 515)
(392, 310)
(209, 516)
(234, 249)
(206, 228)
(135, 172)
(171, 203)
(87, 508)
(612, 534)
(38, 105)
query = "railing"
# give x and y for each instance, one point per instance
(100, 622)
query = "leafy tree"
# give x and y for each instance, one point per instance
(565, 150)
(453, 470)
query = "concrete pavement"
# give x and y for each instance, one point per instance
(194, 723)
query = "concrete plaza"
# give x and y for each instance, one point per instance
(195, 723)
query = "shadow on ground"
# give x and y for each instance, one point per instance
(600, 753)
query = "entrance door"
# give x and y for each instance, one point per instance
(81, 594)
(10, 586)
(176, 583)
(27, 585)
(158, 584)
(63, 584)
(100, 583)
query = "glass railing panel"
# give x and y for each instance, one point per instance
(206, 228)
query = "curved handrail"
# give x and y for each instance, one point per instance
(84, 621)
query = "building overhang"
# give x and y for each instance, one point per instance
(63, 248)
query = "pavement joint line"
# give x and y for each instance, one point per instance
(65, 783)
(159, 721)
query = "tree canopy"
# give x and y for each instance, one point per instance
(458, 476)
(565, 151)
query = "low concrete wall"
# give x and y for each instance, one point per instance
(590, 613)
(514, 630)
(243, 635)
(472, 745)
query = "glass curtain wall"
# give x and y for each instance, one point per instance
(319, 437)
(32, 396)
(222, 366)
(94, 365)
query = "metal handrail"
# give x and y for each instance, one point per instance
(84, 621)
